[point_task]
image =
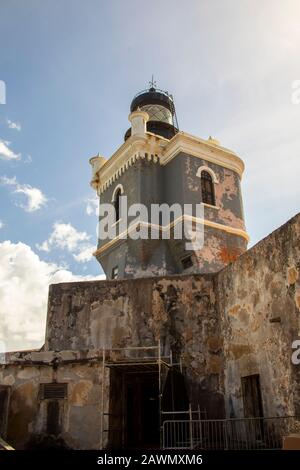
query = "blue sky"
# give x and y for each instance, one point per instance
(71, 69)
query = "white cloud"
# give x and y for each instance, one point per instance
(92, 207)
(13, 125)
(1, 224)
(8, 181)
(43, 246)
(6, 153)
(85, 254)
(35, 198)
(65, 236)
(24, 281)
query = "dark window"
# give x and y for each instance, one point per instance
(53, 391)
(187, 262)
(207, 188)
(252, 396)
(53, 415)
(117, 204)
(253, 406)
(115, 272)
(4, 408)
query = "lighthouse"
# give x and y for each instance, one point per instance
(161, 166)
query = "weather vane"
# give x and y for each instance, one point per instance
(152, 83)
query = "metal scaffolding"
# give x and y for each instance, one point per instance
(137, 359)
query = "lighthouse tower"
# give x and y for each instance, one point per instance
(159, 166)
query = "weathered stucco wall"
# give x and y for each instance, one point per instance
(229, 205)
(259, 305)
(79, 414)
(239, 322)
(179, 311)
(256, 299)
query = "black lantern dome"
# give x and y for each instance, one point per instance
(160, 107)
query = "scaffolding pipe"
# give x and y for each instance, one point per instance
(191, 426)
(159, 361)
(102, 397)
(159, 392)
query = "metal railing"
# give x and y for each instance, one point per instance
(228, 434)
(158, 90)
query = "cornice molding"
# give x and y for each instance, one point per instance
(136, 147)
(208, 223)
(204, 149)
(160, 150)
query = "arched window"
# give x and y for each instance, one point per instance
(207, 188)
(118, 194)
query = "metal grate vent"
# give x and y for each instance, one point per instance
(53, 391)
